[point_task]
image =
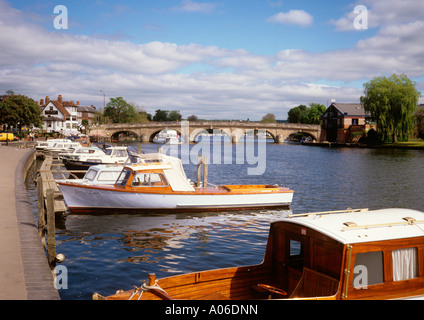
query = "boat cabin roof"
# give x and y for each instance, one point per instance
(359, 226)
(171, 167)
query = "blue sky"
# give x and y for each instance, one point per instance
(216, 59)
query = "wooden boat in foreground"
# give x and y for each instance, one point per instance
(162, 185)
(353, 254)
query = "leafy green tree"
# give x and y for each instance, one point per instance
(314, 113)
(161, 115)
(174, 115)
(306, 115)
(166, 115)
(269, 118)
(18, 110)
(298, 114)
(392, 102)
(120, 111)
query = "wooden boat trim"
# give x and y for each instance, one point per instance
(168, 190)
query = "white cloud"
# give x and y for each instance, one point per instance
(236, 83)
(293, 17)
(193, 6)
(382, 13)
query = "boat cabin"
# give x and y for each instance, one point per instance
(354, 254)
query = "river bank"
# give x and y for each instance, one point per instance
(415, 145)
(24, 270)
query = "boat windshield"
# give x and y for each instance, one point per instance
(123, 178)
(91, 174)
(143, 179)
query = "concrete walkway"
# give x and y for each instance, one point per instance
(24, 270)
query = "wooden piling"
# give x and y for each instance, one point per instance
(201, 161)
(199, 167)
(51, 228)
(41, 211)
(205, 171)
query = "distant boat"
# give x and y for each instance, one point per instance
(350, 254)
(43, 145)
(168, 137)
(163, 186)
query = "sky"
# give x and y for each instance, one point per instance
(214, 59)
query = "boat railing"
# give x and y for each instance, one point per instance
(348, 210)
(407, 221)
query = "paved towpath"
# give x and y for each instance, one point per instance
(24, 270)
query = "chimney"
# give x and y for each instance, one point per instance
(77, 103)
(47, 99)
(41, 102)
(59, 98)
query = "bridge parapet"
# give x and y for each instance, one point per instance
(235, 129)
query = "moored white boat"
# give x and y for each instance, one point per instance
(42, 145)
(163, 186)
(110, 155)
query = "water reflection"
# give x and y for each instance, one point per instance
(109, 252)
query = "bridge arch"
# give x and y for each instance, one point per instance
(122, 134)
(312, 135)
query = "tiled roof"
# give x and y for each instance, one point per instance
(351, 109)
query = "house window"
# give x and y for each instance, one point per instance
(405, 264)
(368, 269)
(355, 122)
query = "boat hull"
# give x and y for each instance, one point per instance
(82, 199)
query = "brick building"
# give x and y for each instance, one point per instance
(341, 120)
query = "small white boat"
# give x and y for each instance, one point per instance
(163, 186)
(110, 155)
(61, 147)
(168, 137)
(69, 154)
(42, 145)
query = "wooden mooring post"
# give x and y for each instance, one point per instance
(201, 161)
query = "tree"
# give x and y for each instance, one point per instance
(166, 115)
(298, 114)
(392, 102)
(161, 115)
(420, 123)
(193, 118)
(306, 115)
(19, 110)
(120, 111)
(269, 118)
(174, 115)
(314, 113)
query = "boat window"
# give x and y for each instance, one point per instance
(296, 255)
(405, 264)
(91, 174)
(120, 153)
(149, 180)
(123, 178)
(368, 269)
(108, 176)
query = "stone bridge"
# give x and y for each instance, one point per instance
(190, 130)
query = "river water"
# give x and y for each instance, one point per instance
(105, 253)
